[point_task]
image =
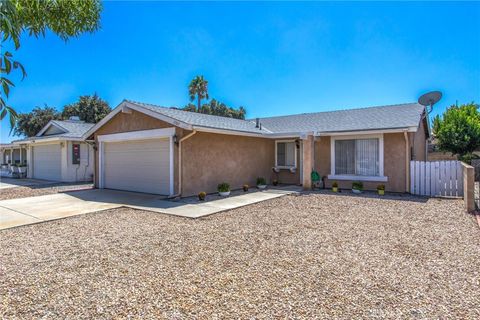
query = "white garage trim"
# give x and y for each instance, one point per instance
(136, 135)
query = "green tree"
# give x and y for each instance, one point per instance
(65, 18)
(217, 108)
(90, 109)
(198, 88)
(30, 123)
(458, 130)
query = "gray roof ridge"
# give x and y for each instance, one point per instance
(339, 110)
(180, 110)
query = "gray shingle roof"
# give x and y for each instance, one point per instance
(75, 129)
(203, 120)
(371, 118)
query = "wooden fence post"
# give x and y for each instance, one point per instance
(468, 187)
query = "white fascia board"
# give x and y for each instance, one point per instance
(126, 104)
(158, 116)
(231, 132)
(138, 135)
(363, 132)
(46, 140)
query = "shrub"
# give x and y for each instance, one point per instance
(223, 187)
(261, 181)
(202, 195)
(357, 185)
(245, 187)
(381, 187)
(335, 184)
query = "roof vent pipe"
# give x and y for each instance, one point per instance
(257, 121)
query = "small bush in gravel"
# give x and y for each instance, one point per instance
(202, 195)
(245, 187)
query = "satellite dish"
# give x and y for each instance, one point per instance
(429, 99)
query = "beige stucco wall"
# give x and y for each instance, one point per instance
(136, 121)
(394, 163)
(420, 143)
(209, 159)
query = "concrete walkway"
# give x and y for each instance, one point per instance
(23, 211)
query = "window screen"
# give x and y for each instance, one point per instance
(357, 157)
(286, 154)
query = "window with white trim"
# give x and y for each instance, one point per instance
(359, 157)
(286, 154)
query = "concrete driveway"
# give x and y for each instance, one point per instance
(6, 183)
(23, 211)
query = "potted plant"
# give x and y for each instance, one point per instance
(201, 196)
(357, 187)
(245, 187)
(261, 183)
(335, 186)
(381, 189)
(223, 189)
(22, 168)
(275, 182)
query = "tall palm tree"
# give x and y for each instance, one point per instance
(198, 88)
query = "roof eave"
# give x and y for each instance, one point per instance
(367, 131)
(129, 105)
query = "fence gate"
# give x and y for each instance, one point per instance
(436, 178)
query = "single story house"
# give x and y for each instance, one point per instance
(152, 149)
(12, 154)
(59, 153)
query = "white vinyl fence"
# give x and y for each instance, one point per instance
(436, 178)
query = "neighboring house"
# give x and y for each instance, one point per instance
(147, 148)
(59, 153)
(12, 154)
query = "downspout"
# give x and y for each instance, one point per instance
(407, 162)
(180, 163)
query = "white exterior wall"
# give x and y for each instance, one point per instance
(70, 172)
(78, 172)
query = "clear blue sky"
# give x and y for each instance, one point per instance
(272, 58)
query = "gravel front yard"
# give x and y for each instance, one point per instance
(32, 191)
(308, 256)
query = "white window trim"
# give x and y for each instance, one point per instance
(380, 177)
(136, 135)
(276, 162)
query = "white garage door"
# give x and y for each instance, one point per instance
(47, 162)
(139, 165)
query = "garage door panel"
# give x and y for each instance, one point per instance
(47, 162)
(141, 166)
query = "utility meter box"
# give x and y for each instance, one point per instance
(76, 153)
